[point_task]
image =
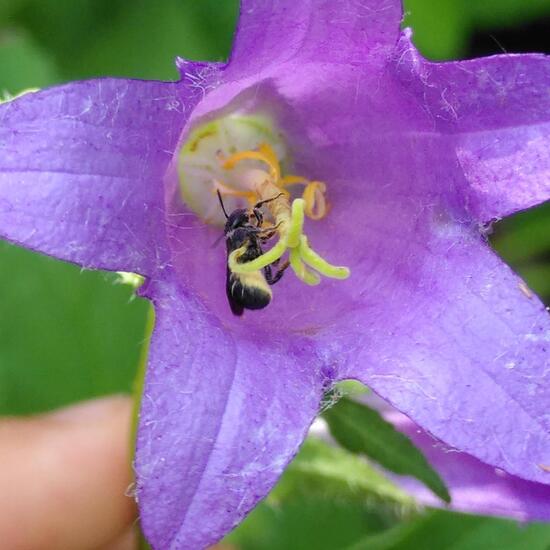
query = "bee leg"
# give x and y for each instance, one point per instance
(268, 232)
(266, 235)
(272, 279)
(268, 273)
(258, 216)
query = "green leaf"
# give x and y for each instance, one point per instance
(138, 39)
(23, 64)
(537, 277)
(320, 468)
(362, 430)
(327, 498)
(173, 27)
(443, 530)
(7, 8)
(65, 334)
(440, 29)
(524, 236)
(306, 523)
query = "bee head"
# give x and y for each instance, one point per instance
(237, 218)
(256, 216)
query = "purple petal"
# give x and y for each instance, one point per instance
(81, 170)
(474, 486)
(456, 341)
(348, 31)
(430, 318)
(496, 114)
(223, 412)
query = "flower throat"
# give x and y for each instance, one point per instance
(243, 160)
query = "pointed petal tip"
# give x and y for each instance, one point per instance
(220, 420)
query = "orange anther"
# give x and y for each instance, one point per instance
(314, 197)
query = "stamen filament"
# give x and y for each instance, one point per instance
(227, 190)
(288, 218)
(264, 154)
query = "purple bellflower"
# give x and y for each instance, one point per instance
(416, 157)
(474, 487)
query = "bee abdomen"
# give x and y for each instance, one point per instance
(249, 290)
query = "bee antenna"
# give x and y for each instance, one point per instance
(261, 203)
(221, 202)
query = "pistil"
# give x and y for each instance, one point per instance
(288, 219)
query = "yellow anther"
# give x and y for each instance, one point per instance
(314, 195)
(288, 218)
(272, 160)
(292, 180)
(314, 192)
(300, 252)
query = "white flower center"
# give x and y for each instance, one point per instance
(201, 164)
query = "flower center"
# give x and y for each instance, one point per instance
(244, 159)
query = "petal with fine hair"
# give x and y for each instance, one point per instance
(495, 114)
(456, 341)
(222, 414)
(270, 32)
(475, 487)
(425, 291)
(81, 170)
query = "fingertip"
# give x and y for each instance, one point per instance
(65, 474)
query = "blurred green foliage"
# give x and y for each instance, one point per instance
(330, 471)
(362, 430)
(67, 334)
(324, 503)
(139, 39)
(442, 29)
(23, 63)
(441, 530)
(523, 240)
(322, 524)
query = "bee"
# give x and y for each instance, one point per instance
(244, 228)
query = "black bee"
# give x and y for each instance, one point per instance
(244, 228)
